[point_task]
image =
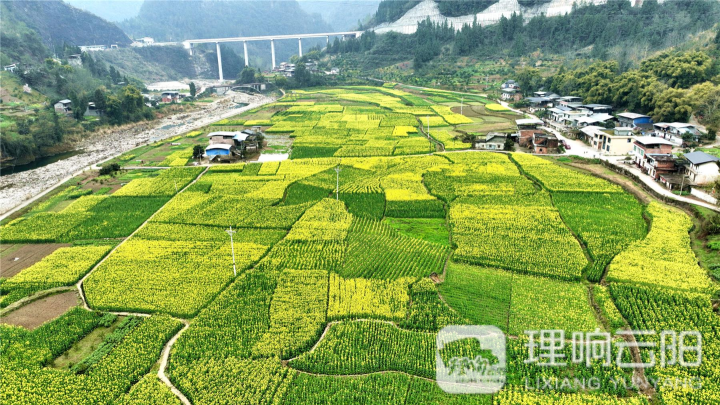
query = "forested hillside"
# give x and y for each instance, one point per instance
(670, 86)
(58, 23)
(615, 29)
(20, 43)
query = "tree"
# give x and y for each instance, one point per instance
(193, 90)
(509, 145)
(99, 99)
(281, 81)
(529, 80)
(79, 105)
(109, 169)
(23, 126)
(114, 110)
(672, 105)
(705, 99)
(302, 76)
(246, 76)
(198, 151)
(132, 99)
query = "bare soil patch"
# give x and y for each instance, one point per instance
(45, 309)
(14, 258)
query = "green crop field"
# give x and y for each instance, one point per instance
(338, 295)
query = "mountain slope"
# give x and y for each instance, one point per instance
(179, 20)
(341, 15)
(404, 16)
(111, 10)
(57, 23)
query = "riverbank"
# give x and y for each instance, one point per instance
(20, 189)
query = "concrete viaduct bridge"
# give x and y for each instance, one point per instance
(272, 38)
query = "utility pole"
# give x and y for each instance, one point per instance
(176, 187)
(337, 183)
(461, 104)
(428, 122)
(232, 247)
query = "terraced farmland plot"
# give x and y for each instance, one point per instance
(516, 302)
(340, 301)
(166, 276)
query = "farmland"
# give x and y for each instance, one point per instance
(337, 296)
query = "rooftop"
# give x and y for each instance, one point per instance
(222, 133)
(632, 115)
(698, 158)
(219, 146)
(652, 140)
(528, 121)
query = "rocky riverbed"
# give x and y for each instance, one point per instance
(19, 189)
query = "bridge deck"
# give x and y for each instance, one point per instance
(269, 37)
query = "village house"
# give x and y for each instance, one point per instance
(632, 120)
(63, 106)
(702, 168)
(676, 132)
(75, 60)
(653, 156)
(567, 115)
(511, 94)
(144, 41)
(598, 108)
(170, 96)
(539, 102)
(10, 68)
(91, 110)
(616, 141)
(226, 145)
(526, 127)
(570, 101)
(491, 141)
(544, 143)
(594, 119)
(528, 123)
(510, 84)
(93, 48)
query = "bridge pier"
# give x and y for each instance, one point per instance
(246, 55)
(272, 50)
(220, 73)
(300, 47)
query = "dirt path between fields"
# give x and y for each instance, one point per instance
(164, 361)
(168, 346)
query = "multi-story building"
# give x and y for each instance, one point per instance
(653, 156)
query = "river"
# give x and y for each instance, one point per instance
(40, 162)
